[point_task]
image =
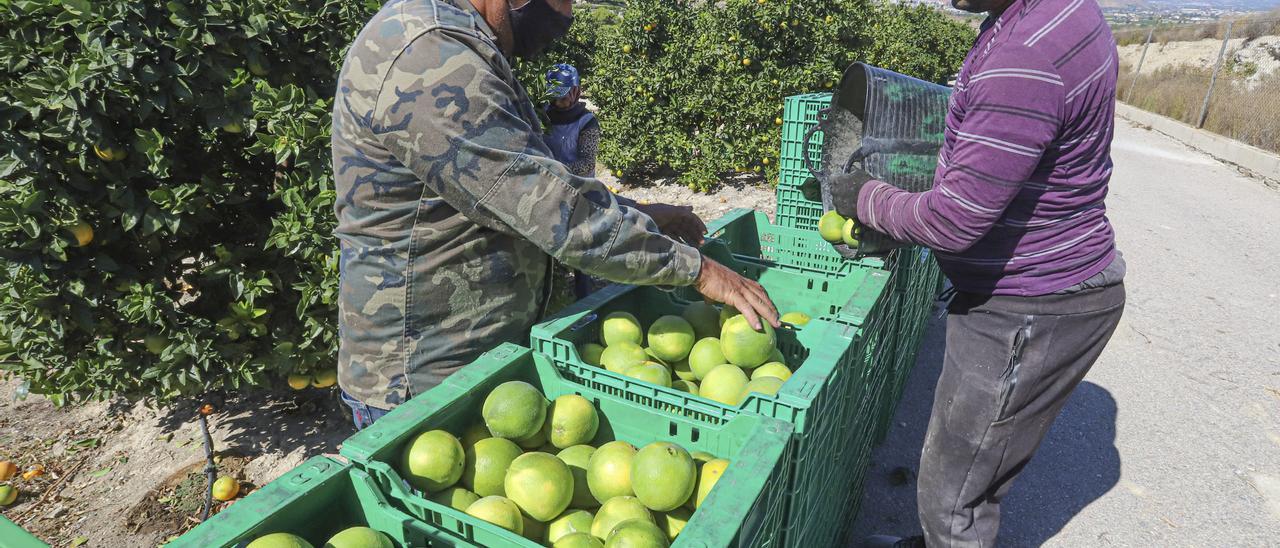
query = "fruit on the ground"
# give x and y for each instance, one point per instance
(621, 327)
(663, 476)
(8, 494)
(486, 465)
(33, 472)
(325, 378)
(578, 458)
(726, 384)
(578, 540)
(7, 470)
(707, 478)
(499, 511)
(688, 387)
(432, 461)
(617, 510)
(745, 347)
(359, 537)
(673, 522)
(571, 521)
(298, 381)
(623, 356)
(850, 233)
(538, 439)
(765, 385)
(455, 497)
(704, 319)
(473, 434)
(280, 540)
(590, 353)
(83, 233)
(683, 371)
(156, 344)
(637, 533)
(226, 488)
(540, 484)
(533, 529)
(706, 355)
(831, 226)
(651, 372)
(514, 410)
(671, 338)
(609, 471)
(727, 312)
(772, 369)
(574, 421)
(798, 319)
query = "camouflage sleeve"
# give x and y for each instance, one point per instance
(448, 115)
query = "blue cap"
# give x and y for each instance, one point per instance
(561, 79)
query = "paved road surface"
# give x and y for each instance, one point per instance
(1174, 438)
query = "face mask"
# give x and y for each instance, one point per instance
(535, 26)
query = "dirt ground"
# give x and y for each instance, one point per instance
(121, 474)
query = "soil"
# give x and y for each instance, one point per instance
(125, 474)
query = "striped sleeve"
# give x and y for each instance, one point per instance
(1013, 110)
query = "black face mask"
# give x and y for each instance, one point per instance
(535, 26)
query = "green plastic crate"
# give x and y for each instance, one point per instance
(12, 536)
(826, 398)
(798, 211)
(316, 500)
(746, 508)
(799, 114)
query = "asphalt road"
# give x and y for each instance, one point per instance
(1174, 438)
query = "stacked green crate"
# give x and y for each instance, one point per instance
(12, 536)
(746, 508)
(799, 114)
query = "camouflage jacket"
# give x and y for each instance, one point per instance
(451, 209)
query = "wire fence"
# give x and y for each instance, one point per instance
(1222, 76)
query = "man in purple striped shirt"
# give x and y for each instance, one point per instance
(1018, 221)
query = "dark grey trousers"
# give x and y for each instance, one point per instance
(1011, 363)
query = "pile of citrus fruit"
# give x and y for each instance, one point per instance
(536, 468)
(705, 351)
(353, 537)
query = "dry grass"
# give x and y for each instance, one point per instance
(1239, 110)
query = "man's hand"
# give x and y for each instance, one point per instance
(844, 188)
(718, 283)
(677, 222)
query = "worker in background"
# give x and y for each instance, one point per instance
(574, 138)
(1018, 220)
(451, 209)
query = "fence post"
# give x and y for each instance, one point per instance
(1204, 110)
(1128, 96)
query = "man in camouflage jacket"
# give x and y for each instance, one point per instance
(451, 209)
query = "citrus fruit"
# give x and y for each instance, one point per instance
(571, 521)
(299, 381)
(533, 529)
(621, 327)
(514, 410)
(798, 319)
(155, 343)
(726, 384)
(359, 537)
(432, 461)
(499, 511)
(590, 353)
(623, 356)
(831, 226)
(705, 356)
(609, 470)
(707, 478)
(573, 421)
(226, 488)
(727, 312)
(280, 540)
(765, 385)
(671, 338)
(455, 497)
(578, 540)
(83, 233)
(8, 494)
(637, 533)
(577, 458)
(850, 233)
(325, 378)
(704, 319)
(473, 434)
(683, 371)
(674, 521)
(688, 387)
(700, 457)
(777, 356)
(540, 484)
(771, 369)
(663, 476)
(651, 372)
(745, 347)
(538, 439)
(7, 470)
(617, 510)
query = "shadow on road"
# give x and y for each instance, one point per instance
(1077, 463)
(262, 422)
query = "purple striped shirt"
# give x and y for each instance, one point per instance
(1019, 202)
